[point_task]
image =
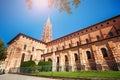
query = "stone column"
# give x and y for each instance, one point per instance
(62, 61)
(53, 62)
(71, 61)
(97, 57)
(82, 59)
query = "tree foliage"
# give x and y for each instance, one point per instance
(61, 5)
(3, 52)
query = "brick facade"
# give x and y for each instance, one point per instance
(94, 48)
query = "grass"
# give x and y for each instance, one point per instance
(103, 74)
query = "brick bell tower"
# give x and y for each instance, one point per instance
(47, 32)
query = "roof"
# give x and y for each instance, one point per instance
(24, 36)
(60, 37)
(84, 29)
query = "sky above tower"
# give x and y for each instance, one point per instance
(15, 17)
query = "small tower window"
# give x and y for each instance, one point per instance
(87, 41)
(78, 43)
(63, 47)
(114, 20)
(69, 45)
(98, 37)
(110, 34)
(25, 46)
(33, 48)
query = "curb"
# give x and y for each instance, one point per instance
(67, 78)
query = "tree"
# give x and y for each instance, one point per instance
(61, 5)
(3, 52)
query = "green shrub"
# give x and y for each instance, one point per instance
(45, 66)
(28, 64)
(27, 67)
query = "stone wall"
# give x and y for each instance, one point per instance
(22, 49)
(97, 48)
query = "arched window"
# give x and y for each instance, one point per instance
(33, 48)
(31, 57)
(76, 57)
(57, 59)
(69, 45)
(50, 60)
(23, 57)
(104, 52)
(110, 34)
(87, 41)
(63, 47)
(88, 54)
(66, 58)
(78, 43)
(25, 46)
(98, 37)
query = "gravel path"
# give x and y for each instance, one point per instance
(21, 77)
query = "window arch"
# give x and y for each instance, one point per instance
(87, 41)
(57, 59)
(23, 57)
(76, 57)
(110, 34)
(25, 46)
(69, 45)
(50, 59)
(88, 54)
(66, 58)
(63, 47)
(98, 37)
(31, 56)
(78, 43)
(33, 48)
(104, 52)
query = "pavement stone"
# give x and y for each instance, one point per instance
(21, 77)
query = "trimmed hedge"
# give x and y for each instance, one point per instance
(27, 67)
(28, 64)
(45, 66)
(44, 63)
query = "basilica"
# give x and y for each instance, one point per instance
(96, 47)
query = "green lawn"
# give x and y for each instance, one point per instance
(105, 74)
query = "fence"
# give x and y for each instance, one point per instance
(65, 68)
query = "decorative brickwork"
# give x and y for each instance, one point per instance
(94, 48)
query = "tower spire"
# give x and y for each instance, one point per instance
(47, 32)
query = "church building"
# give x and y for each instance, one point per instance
(96, 47)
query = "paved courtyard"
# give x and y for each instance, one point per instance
(21, 77)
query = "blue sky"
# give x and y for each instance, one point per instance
(16, 18)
